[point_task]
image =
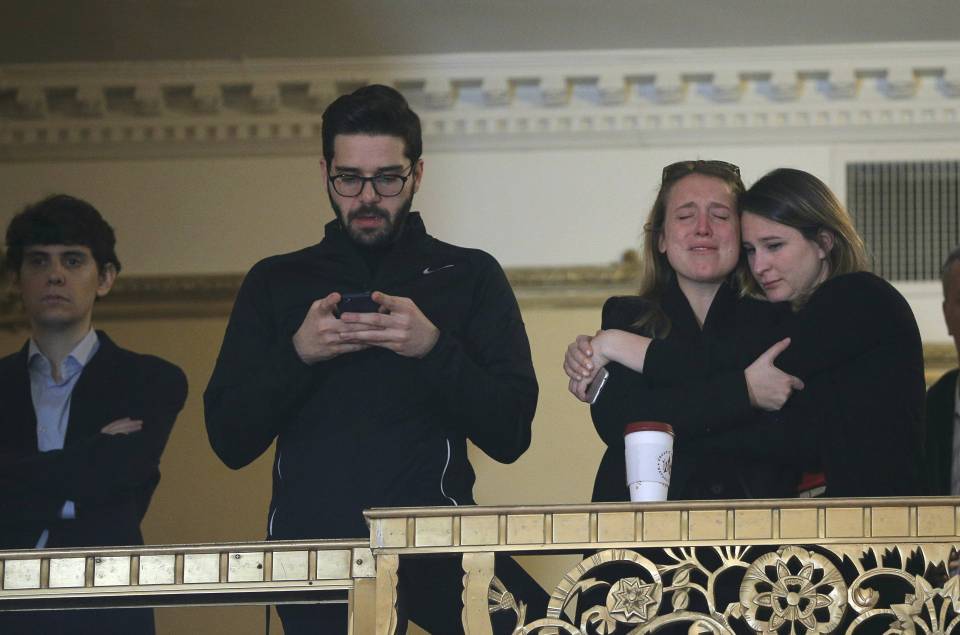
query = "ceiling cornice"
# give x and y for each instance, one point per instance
(875, 92)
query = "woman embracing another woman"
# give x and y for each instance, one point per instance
(824, 374)
(725, 446)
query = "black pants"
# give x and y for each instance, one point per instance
(429, 594)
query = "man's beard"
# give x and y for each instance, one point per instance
(381, 236)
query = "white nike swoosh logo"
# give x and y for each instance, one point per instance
(428, 270)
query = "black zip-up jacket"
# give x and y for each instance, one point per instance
(371, 428)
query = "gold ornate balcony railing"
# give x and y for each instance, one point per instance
(204, 574)
(848, 566)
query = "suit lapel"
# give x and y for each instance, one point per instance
(94, 400)
(943, 415)
(18, 416)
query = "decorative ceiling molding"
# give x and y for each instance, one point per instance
(882, 92)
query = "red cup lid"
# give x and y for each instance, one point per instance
(647, 426)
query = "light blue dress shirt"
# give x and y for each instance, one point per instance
(51, 401)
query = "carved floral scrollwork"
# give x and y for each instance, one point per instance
(935, 611)
(631, 601)
(500, 599)
(793, 586)
(728, 590)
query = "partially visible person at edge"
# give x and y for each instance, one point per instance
(374, 409)
(943, 399)
(83, 422)
(690, 250)
(854, 340)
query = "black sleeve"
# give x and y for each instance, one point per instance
(259, 382)
(695, 405)
(485, 374)
(759, 324)
(20, 506)
(846, 316)
(692, 408)
(101, 467)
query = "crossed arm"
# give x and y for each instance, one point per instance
(96, 470)
(768, 387)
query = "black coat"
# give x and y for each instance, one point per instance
(856, 346)
(110, 478)
(941, 404)
(371, 428)
(723, 449)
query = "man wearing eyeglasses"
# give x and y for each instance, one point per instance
(371, 398)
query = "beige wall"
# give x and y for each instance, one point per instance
(563, 206)
(222, 214)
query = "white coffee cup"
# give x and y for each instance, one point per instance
(649, 455)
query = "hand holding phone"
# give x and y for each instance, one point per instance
(593, 390)
(320, 336)
(356, 303)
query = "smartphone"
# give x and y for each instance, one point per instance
(356, 303)
(593, 390)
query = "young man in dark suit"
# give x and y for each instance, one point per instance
(83, 422)
(943, 398)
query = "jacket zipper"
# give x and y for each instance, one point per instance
(273, 514)
(444, 474)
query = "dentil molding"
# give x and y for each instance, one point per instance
(876, 92)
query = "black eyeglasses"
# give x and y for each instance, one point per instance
(680, 169)
(351, 185)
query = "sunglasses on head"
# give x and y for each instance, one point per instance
(680, 169)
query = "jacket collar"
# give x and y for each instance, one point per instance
(403, 258)
(677, 305)
(22, 431)
(105, 348)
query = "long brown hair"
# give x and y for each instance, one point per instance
(800, 200)
(656, 273)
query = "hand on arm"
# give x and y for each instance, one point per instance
(321, 335)
(768, 386)
(586, 355)
(581, 366)
(400, 326)
(122, 426)
(628, 349)
(576, 361)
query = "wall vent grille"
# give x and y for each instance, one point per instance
(908, 213)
